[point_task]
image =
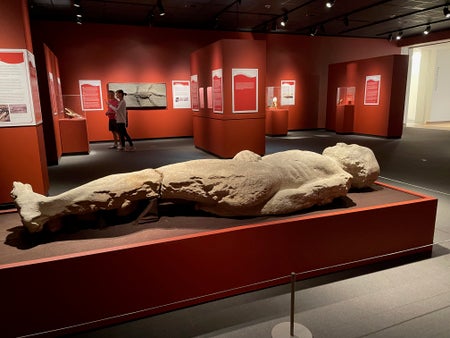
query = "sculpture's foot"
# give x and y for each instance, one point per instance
(27, 202)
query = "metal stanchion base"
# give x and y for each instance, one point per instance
(283, 330)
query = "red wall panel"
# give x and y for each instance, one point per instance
(23, 152)
(23, 159)
(15, 25)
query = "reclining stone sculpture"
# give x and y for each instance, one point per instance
(246, 185)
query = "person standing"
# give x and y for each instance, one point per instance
(121, 121)
(112, 124)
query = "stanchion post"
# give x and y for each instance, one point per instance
(286, 329)
(292, 302)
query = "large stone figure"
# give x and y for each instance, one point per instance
(247, 185)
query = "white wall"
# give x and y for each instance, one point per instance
(440, 107)
(428, 92)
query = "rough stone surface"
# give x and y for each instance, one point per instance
(250, 185)
(113, 192)
(357, 160)
(247, 185)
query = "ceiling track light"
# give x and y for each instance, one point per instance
(446, 12)
(284, 20)
(160, 6)
(314, 31)
(427, 30)
(330, 3)
(78, 14)
(76, 3)
(399, 35)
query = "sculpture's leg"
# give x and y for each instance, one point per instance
(107, 193)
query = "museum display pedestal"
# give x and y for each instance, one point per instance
(276, 121)
(74, 138)
(106, 279)
(345, 115)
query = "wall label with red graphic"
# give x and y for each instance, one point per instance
(195, 93)
(287, 93)
(245, 90)
(91, 94)
(181, 93)
(19, 92)
(217, 91)
(372, 90)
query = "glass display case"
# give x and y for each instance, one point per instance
(345, 96)
(273, 95)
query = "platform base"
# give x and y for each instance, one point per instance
(283, 330)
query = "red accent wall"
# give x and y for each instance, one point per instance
(227, 133)
(113, 53)
(14, 19)
(385, 119)
(22, 153)
(288, 59)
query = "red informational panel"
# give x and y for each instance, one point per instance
(217, 91)
(19, 93)
(201, 93)
(245, 90)
(91, 94)
(181, 94)
(194, 92)
(372, 90)
(287, 92)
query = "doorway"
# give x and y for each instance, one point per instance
(428, 92)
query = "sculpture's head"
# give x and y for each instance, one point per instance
(358, 161)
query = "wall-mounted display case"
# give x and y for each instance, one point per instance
(273, 95)
(345, 96)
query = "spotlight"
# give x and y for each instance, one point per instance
(427, 30)
(160, 6)
(284, 20)
(79, 13)
(76, 3)
(446, 12)
(399, 36)
(314, 31)
(330, 3)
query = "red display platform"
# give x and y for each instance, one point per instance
(82, 287)
(345, 116)
(276, 121)
(74, 138)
